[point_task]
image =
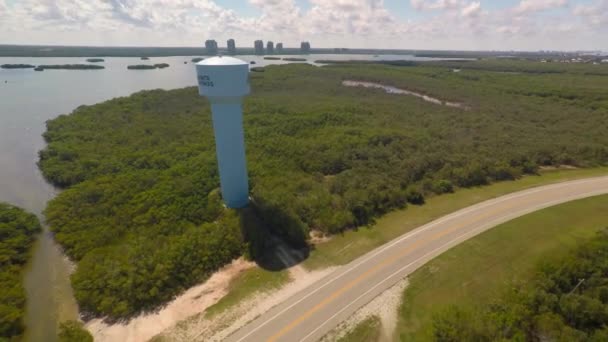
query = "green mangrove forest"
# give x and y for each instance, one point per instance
(17, 234)
(141, 213)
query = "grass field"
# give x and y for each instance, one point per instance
(479, 269)
(345, 247)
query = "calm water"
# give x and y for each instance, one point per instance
(29, 98)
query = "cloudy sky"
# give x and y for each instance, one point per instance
(408, 24)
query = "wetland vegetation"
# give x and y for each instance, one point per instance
(142, 214)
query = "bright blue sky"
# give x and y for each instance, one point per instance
(408, 24)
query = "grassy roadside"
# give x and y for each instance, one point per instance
(479, 269)
(367, 330)
(246, 284)
(242, 287)
(343, 248)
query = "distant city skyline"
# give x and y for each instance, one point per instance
(396, 24)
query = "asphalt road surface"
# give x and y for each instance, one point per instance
(310, 314)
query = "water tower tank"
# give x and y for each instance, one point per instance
(224, 81)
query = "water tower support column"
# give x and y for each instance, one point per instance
(230, 148)
(225, 81)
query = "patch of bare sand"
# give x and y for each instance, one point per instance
(191, 302)
(224, 324)
(385, 306)
(318, 237)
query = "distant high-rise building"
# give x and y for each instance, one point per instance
(279, 48)
(270, 48)
(231, 47)
(211, 47)
(305, 47)
(259, 47)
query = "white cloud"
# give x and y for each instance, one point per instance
(464, 8)
(447, 24)
(471, 10)
(529, 6)
(595, 14)
(278, 17)
(426, 5)
(351, 17)
(130, 17)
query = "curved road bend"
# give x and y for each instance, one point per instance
(310, 314)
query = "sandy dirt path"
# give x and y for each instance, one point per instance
(191, 302)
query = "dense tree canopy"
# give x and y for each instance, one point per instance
(17, 230)
(142, 177)
(568, 301)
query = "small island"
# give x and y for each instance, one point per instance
(148, 67)
(17, 66)
(145, 58)
(273, 58)
(70, 67)
(141, 67)
(197, 59)
(95, 60)
(294, 59)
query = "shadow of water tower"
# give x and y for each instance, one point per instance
(225, 81)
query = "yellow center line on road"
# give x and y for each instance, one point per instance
(413, 247)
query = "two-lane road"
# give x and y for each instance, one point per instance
(310, 314)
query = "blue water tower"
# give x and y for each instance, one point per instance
(224, 81)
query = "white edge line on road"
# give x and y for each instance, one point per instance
(423, 228)
(472, 233)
